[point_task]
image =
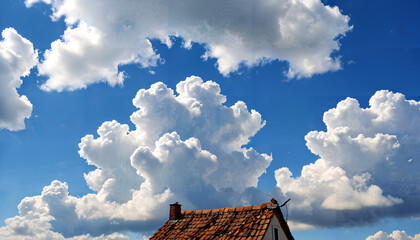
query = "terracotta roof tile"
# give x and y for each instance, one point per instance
(256, 207)
(239, 209)
(206, 211)
(250, 222)
(214, 210)
(247, 208)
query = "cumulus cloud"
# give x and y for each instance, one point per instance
(330, 188)
(186, 146)
(103, 35)
(368, 164)
(17, 57)
(395, 235)
(40, 217)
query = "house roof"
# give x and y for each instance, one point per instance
(250, 222)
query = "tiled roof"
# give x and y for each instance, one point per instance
(248, 223)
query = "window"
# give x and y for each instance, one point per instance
(276, 234)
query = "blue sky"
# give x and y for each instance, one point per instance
(364, 47)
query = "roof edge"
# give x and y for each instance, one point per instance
(229, 210)
(283, 223)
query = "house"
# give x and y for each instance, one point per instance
(260, 222)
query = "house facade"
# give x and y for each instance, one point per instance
(260, 222)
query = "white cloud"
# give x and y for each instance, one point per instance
(321, 185)
(189, 147)
(38, 215)
(17, 57)
(395, 235)
(363, 167)
(186, 147)
(29, 3)
(296, 226)
(102, 35)
(79, 59)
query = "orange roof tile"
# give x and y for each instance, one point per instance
(250, 222)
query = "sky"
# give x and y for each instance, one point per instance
(112, 110)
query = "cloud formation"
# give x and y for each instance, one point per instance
(369, 161)
(189, 147)
(101, 36)
(186, 147)
(42, 217)
(17, 57)
(395, 235)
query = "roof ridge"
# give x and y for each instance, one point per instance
(230, 210)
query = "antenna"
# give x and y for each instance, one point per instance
(285, 202)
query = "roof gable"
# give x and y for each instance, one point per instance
(250, 222)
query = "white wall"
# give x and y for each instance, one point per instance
(269, 235)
